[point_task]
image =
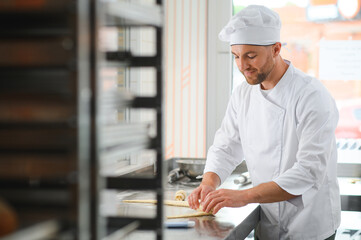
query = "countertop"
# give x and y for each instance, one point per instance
(228, 223)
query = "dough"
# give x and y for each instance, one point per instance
(140, 201)
(196, 214)
(166, 202)
(200, 213)
(180, 195)
(200, 210)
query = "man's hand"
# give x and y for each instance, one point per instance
(199, 193)
(224, 198)
(263, 193)
(209, 183)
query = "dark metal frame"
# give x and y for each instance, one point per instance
(64, 198)
(72, 197)
(102, 226)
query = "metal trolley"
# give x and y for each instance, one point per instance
(52, 137)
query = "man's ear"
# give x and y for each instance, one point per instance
(276, 49)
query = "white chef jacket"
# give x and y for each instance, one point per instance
(286, 136)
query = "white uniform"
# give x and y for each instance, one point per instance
(286, 137)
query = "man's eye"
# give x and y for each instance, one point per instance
(235, 56)
(251, 57)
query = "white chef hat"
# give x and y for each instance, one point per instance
(254, 25)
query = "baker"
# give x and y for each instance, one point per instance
(282, 123)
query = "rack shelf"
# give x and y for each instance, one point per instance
(131, 183)
(54, 131)
(118, 139)
(128, 60)
(128, 13)
(44, 117)
(43, 230)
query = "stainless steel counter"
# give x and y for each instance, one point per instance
(222, 226)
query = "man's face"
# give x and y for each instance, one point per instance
(255, 62)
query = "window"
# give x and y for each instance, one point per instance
(323, 40)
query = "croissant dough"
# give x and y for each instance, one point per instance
(200, 213)
(196, 214)
(180, 195)
(166, 202)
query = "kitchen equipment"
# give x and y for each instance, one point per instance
(243, 180)
(192, 168)
(175, 175)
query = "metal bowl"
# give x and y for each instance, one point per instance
(192, 167)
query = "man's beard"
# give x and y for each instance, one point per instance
(261, 76)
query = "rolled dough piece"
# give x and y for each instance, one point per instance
(140, 201)
(180, 195)
(200, 209)
(196, 214)
(166, 202)
(200, 213)
(176, 203)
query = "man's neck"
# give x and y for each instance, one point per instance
(275, 75)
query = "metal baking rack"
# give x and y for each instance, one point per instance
(52, 137)
(44, 168)
(112, 141)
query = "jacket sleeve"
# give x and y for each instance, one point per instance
(317, 118)
(226, 152)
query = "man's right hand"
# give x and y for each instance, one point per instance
(199, 193)
(209, 183)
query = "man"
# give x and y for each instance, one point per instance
(282, 122)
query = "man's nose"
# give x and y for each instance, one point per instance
(243, 65)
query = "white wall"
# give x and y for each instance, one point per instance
(219, 67)
(197, 70)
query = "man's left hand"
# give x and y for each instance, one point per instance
(224, 198)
